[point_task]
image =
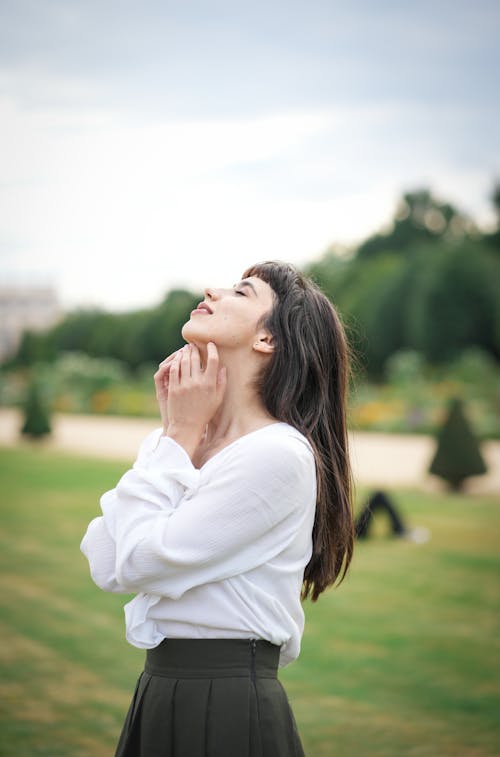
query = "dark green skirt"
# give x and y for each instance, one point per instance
(210, 698)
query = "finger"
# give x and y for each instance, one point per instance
(212, 362)
(162, 371)
(185, 362)
(168, 359)
(173, 375)
(195, 361)
(162, 382)
(164, 366)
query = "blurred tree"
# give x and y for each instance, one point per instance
(163, 333)
(385, 320)
(494, 238)
(357, 289)
(458, 454)
(454, 302)
(35, 346)
(135, 337)
(419, 219)
(495, 198)
(428, 284)
(134, 347)
(36, 411)
(105, 337)
(438, 298)
(74, 333)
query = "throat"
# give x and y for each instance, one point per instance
(207, 448)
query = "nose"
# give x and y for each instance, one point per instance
(212, 294)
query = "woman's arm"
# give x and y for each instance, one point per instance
(166, 528)
(97, 545)
(99, 549)
(243, 516)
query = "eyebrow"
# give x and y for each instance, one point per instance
(246, 283)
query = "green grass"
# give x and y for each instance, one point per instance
(403, 659)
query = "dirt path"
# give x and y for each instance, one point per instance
(378, 459)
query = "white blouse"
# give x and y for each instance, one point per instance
(215, 552)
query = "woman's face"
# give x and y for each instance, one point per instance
(230, 317)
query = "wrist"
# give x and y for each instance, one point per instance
(188, 437)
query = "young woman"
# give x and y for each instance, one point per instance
(238, 507)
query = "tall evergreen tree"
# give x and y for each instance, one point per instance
(458, 454)
(36, 411)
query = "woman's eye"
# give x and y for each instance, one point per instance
(238, 291)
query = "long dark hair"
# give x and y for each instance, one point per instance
(305, 384)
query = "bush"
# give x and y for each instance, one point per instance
(405, 367)
(80, 372)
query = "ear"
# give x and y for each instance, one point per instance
(263, 342)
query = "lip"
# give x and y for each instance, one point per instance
(202, 307)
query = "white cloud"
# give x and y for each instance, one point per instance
(118, 210)
(110, 206)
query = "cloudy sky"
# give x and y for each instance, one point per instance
(164, 143)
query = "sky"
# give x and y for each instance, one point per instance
(152, 145)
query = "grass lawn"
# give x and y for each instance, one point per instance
(403, 659)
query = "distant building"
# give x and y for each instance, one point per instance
(25, 307)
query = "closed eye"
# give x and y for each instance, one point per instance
(243, 288)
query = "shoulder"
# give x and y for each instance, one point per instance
(278, 466)
(276, 450)
(282, 438)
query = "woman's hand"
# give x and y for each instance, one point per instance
(161, 379)
(194, 394)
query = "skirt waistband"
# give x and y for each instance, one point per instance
(213, 658)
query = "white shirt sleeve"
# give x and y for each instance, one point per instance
(175, 527)
(98, 546)
(99, 549)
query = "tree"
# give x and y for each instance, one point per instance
(35, 346)
(454, 301)
(495, 199)
(458, 454)
(493, 239)
(438, 298)
(163, 332)
(134, 337)
(36, 412)
(419, 219)
(359, 290)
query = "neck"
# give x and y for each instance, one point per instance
(241, 410)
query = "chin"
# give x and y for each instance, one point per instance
(190, 333)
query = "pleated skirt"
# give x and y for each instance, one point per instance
(210, 698)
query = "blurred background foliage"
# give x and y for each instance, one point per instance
(420, 301)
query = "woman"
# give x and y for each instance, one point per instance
(235, 509)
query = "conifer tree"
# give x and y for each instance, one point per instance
(458, 454)
(36, 412)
